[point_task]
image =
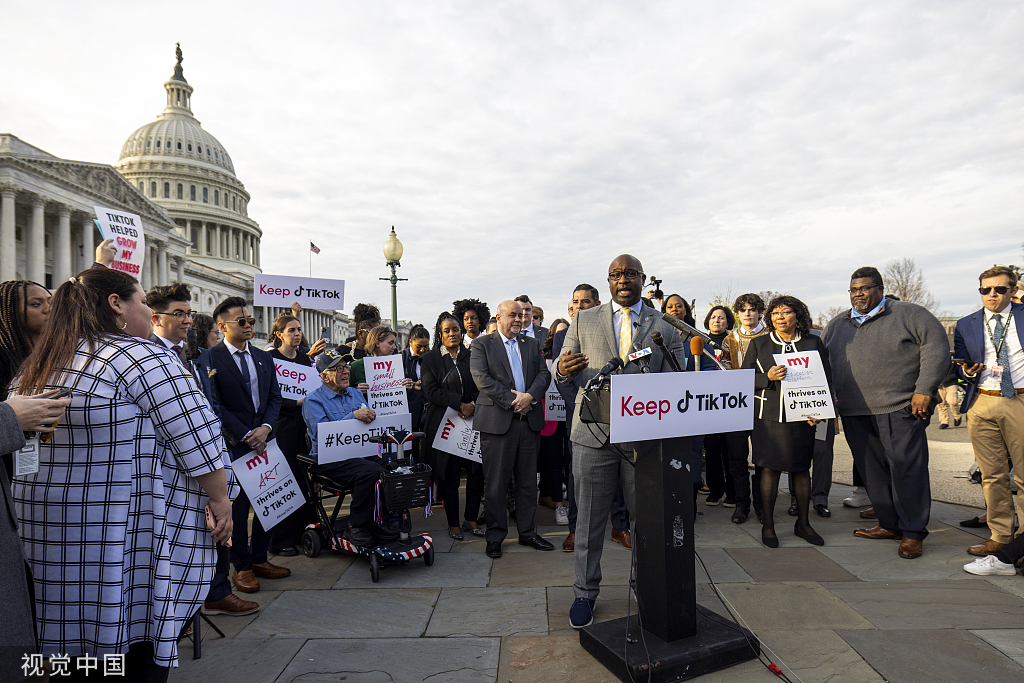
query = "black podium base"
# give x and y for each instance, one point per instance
(717, 645)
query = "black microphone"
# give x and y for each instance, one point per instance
(641, 357)
(610, 367)
(191, 344)
(660, 341)
(688, 330)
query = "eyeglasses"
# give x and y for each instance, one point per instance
(243, 322)
(999, 290)
(628, 274)
(863, 290)
(780, 313)
(180, 315)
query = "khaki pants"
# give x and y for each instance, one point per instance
(948, 401)
(996, 426)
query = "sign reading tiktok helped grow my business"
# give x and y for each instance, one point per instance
(126, 231)
(386, 377)
(805, 389)
(668, 404)
(284, 290)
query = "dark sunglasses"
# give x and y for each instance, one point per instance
(242, 322)
(999, 290)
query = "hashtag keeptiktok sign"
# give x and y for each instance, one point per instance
(346, 439)
(669, 404)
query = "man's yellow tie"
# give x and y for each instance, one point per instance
(625, 333)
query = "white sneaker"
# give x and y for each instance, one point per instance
(990, 566)
(562, 515)
(858, 499)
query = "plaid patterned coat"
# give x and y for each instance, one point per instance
(113, 522)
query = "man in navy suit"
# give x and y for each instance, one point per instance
(992, 339)
(250, 401)
(172, 318)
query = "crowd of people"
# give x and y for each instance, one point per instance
(123, 517)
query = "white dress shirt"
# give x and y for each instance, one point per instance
(509, 350)
(254, 384)
(1013, 349)
(528, 331)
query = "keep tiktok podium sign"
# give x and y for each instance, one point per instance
(670, 404)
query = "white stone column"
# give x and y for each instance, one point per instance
(245, 247)
(165, 273)
(88, 246)
(180, 266)
(147, 269)
(8, 245)
(62, 248)
(256, 246)
(36, 270)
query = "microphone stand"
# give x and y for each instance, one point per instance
(672, 360)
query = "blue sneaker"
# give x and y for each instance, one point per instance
(581, 613)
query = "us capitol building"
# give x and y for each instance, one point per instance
(178, 178)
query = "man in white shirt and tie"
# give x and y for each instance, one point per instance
(529, 329)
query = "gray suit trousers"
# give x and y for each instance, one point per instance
(598, 473)
(515, 451)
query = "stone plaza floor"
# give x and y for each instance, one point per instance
(851, 611)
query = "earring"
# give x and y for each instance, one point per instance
(125, 326)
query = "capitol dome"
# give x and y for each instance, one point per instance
(187, 171)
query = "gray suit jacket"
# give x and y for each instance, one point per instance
(592, 333)
(540, 334)
(492, 374)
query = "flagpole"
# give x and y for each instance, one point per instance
(311, 258)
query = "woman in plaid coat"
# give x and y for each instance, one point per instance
(113, 522)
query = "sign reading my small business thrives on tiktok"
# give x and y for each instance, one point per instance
(126, 231)
(284, 290)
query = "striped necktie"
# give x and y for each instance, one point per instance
(625, 333)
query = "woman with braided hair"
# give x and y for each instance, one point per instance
(24, 309)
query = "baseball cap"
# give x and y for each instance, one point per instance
(328, 359)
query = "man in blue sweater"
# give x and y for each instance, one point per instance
(335, 400)
(888, 358)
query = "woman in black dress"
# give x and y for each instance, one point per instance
(447, 383)
(290, 431)
(780, 446)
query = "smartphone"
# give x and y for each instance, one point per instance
(62, 392)
(963, 361)
(325, 334)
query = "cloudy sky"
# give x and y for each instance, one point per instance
(518, 147)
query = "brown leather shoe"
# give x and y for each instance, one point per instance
(245, 581)
(623, 538)
(875, 532)
(232, 605)
(546, 501)
(270, 571)
(868, 514)
(569, 544)
(910, 548)
(986, 548)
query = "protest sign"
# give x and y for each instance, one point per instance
(805, 390)
(554, 404)
(386, 377)
(268, 481)
(297, 381)
(457, 436)
(126, 231)
(284, 290)
(347, 439)
(667, 404)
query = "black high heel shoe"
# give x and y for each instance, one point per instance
(769, 541)
(811, 537)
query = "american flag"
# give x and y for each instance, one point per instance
(313, 248)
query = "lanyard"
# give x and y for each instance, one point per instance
(1002, 338)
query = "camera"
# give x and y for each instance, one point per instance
(656, 283)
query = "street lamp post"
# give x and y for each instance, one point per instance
(393, 254)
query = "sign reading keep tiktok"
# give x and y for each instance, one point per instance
(126, 231)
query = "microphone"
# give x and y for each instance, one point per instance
(688, 330)
(660, 341)
(697, 349)
(610, 367)
(641, 358)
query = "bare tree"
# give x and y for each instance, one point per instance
(826, 316)
(768, 294)
(905, 280)
(721, 298)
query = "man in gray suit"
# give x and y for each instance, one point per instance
(512, 377)
(595, 337)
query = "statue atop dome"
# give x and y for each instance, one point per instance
(179, 75)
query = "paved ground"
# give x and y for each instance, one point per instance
(851, 611)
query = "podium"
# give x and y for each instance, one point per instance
(683, 640)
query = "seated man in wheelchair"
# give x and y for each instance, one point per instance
(336, 400)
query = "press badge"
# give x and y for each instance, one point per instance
(26, 460)
(997, 372)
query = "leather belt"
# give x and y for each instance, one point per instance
(520, 416)
(989, 392)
